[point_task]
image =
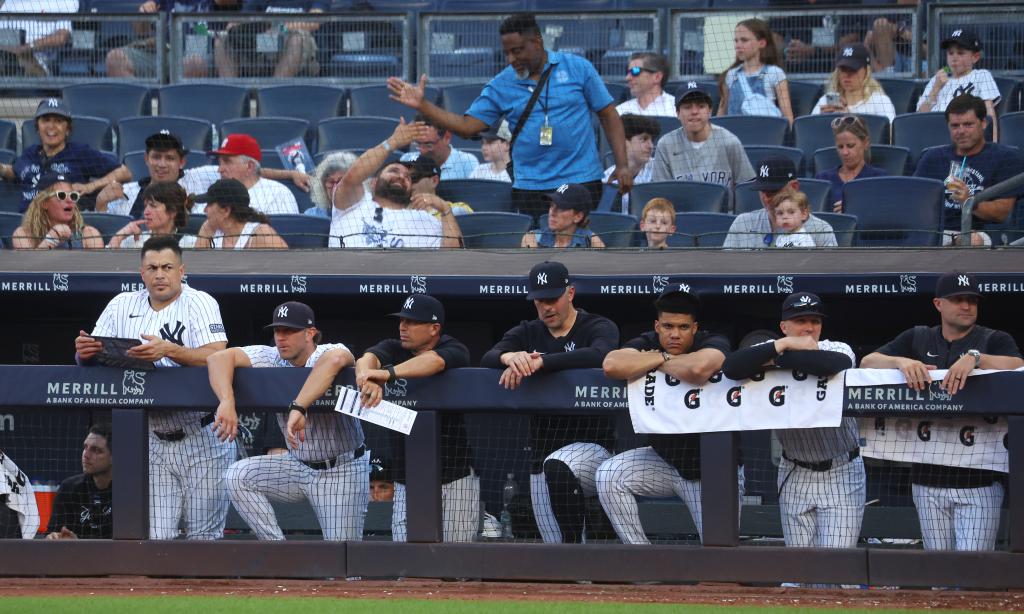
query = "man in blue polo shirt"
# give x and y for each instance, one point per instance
(557, 144)
(87, 169)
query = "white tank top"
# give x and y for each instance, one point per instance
(243, 237)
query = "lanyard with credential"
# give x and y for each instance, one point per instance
(547, 133)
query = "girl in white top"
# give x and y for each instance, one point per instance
(790, 209)
(852, 89)
(757, 62)
(963, 51)
(165, 213)
(231, 223)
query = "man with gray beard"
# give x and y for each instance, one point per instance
(389, 215)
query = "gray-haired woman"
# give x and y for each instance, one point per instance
(326, 177)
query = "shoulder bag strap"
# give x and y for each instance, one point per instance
(529, 108)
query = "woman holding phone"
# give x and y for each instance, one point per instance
(852, 89)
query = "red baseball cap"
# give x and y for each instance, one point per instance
(239, 145)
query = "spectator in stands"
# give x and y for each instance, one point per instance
(382, 485)
(53, 220)
(641, 133)
(495, 152)
(852, 89)
(646, 77)
(853, 144)
(138, 58)
(763, 89)
(756, 229)
(700, 151)
(239, 158)
(425, 175)
(240, 53)
(809, 41)
(968, 166)
(326, 179)
(958, 507)
(557, 143)
(437, 142)
(658, 222)
(82, 507)
(568, 211)
(56, 154)
(231, 223)
(670, 464)
(890, 44)
(958, 77)
(32, 58)
(165, 213)
(790, 211)
(392, 216)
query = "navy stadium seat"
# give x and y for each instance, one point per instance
(1011, 129)
(309, 102)
(213, 102)
(466, 62)
(685, 196)
(195, 134)
(93, 131)
(480, 194)
(697, 229)
(457, 98)
(353, 132)
(757, 153)
(904, 93)
(803, 95)
(7, 156)
(843, 225)
(111, 101)
(9, 134)
(269, 132)
(919, 131)
(814, 132)
(362, 65)
(890, 157)
(302, 231)
(9, 222)
(493, 229)
(615, 229)
(475, 6)
(106, 223)
(610, 199)
(1009, 95)
(195, 222)
(136, 163)
(753, 130)
(895, 211)
(817, 191)
(375, 101)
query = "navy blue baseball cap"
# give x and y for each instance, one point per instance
(693, 91)
(53, 106)
(571, 196)
(957, 284)
(422, 308)
(292, 314)
(680, 292)
(547, 280)
(801, 304)
(963, 38)
(773, 174)
(47, 181)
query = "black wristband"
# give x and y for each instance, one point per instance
(296, 407)
(391, 373)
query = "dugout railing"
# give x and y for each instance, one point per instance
(719, 559)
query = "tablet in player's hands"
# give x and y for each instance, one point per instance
(115, 354)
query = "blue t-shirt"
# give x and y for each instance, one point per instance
(835, 193)
(572, 92)
(77, 162)
(993, 164)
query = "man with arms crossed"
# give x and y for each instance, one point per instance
(179, 327)
(326, 464)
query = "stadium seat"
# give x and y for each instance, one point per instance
(843, 225)
(752, 130)
(493, 229)
(106, 223)
(269, 132)
(111, 101)
(353, 132)
(466, 63)
(686, 196)
(480, 194)
(1009, 95)
(701, 229)
(195, 222)
(747, 198)
(1011, 129)
(9, 134)
(918, 131)
(137, 165)
(610, 199)
(738, 4)
(814, 132)
(213, 102)
(457, 98)
(615, 229)
(362, 65)
(7, 156)
(890, 157)
(309, 102)
(904, 93)
(619, 91)
(375, 101)
(85, 56)
(474, 6)
(803, 95)
(895, 211)
(757, 153)
(195, 134)
(9, 222)
(302, 231)
(708, 87)
(92, 131)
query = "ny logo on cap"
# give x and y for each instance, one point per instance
(963, 280)
(848, 52)
(408, 303)
(562, 188)
(691, 85)
(166, 132)
(542, 279)
(52, 102)
(684, 287)
(956, 33)
(764, 170)
(282, 312)
(805, 301)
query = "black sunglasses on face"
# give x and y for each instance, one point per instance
(636, 70)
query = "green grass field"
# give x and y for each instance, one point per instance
(316, 605)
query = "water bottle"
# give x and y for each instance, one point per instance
(202, 29)
(508, 495)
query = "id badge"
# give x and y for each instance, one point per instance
(547, 133)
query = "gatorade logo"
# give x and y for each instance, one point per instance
(777, 396)
(735, 396)
(692, 398)
(967, 436)
(924, 431)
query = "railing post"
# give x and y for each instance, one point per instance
(719, 489)
(423, 479)
(1015, 513)
(130, 499)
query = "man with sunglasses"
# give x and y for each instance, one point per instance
(646, 79)
(437, 142)
(754, 230)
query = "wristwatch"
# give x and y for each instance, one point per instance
(296, 407)
(977, 357)
(391, 373)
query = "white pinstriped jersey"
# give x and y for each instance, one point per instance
(192, 320)
(327, 434)
(812, 445)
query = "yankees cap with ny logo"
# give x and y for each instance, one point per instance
(802, 304)
(773, 173)
(292, 314)
(547, 280)
(421, 308)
